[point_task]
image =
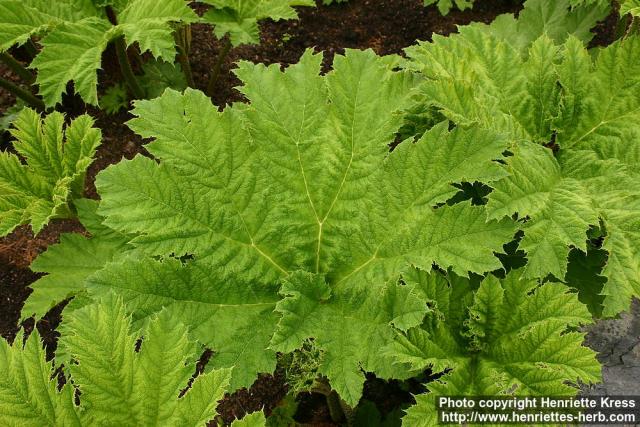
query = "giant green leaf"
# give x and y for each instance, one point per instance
(234, 319)
(70, 262)
(297, 182)
(585, 110)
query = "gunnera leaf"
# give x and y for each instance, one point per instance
(298, 180)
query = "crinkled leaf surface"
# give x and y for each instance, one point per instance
(596, 177)
(235, 319)
(239, 18)
(56, 161)
(515, 339)
(70, 262)
(556, 18)
(585, 109)
(72, 52)
(302, 181)
(148, 23)
(120, 382)
(72, 49)
(28, 396)
(360, 325)
(20, 19)
(128, 387)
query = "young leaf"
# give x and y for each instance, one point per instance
(255, 419)
(120, 385)
(239, 18)
(56, 162)
(159, 75)
(444, 6)
(516, 339)
(115, 98)
(558, 19)
(361, 322)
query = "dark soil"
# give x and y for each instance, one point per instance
(386, 26)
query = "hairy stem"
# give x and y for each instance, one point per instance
(632, 28)
(183, 43)
(127, 71)
(338, 409)
(213, 79)
(335, 407)
(23, 94)
(17, 67)
(30, 48)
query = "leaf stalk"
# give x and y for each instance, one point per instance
(215, 74)
(127, 71)
(183, 44)
(23, 94)
(17, 68)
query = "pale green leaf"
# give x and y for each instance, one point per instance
(297, 182)
(234, 319)
(558, 209)
(630, 7)
(72, 52)
(605, 107)
(19, 20)
(71, 261)
(72, 49)
(360, 325)
(122, 378)
(148, 23)
(444, 6)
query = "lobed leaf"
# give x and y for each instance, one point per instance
(300, 182)
(516, 339)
